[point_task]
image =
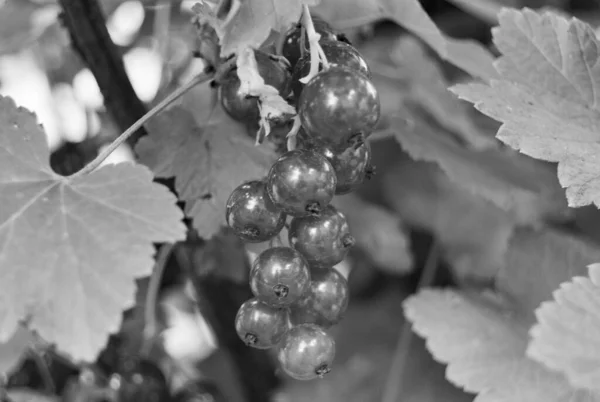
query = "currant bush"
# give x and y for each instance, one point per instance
(306, 352)
(279, 276)
(323, 240)
(325, 302)
(297, 291)
(251, 214)
(340, 106)
(245, 108)
(301, 182)
(260, 325)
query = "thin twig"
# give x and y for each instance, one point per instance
(394, 382)
(150, 326)
(90, 167)
(317, 56)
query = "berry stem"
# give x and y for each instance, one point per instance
(316, 52)
(393, 384)
(152, 295)
(176, 94)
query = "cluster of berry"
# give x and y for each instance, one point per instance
(298, 293)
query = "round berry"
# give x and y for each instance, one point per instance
(260, 325)
(322, 240)
(338, 54)
(301, 182)
(291, 46)
(251, 214)
(306, 352)
(279, 276)
(325, 302)
(141, 380)
(351, 165)
(245, 108)
(339, 105)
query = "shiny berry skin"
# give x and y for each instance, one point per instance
(322, 240)
(251, 214)
(351, 165)
(338, 54)
(301, 182)
(260, 325)
(291, 46)
(325, 302)
(279, 276)
(339, 105)
(306, 352)
(245, 109)
(141, 380)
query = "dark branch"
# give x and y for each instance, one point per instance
(89, 36)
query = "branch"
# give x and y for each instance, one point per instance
(89, 36)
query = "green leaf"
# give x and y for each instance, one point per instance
(465, 54)
(566, 336)
(207, 161)
(378, 233)
(13, 350)
(538, 261)
(473, 233)
(548, 96)
(70, 248)
(249, 22)
(483, 342)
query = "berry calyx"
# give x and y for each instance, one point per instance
(259, 325)
(301, 182)
(251, 214)
(338, 54)
(292, 49)
(339, 104)
(350, 165)
(306, 352)
(245, 108)
(279, 276)
(322, 240)
(325, 301)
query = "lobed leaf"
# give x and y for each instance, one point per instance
(483, 342)
(567, 335)
(548, 96)
(208, 162)
(71, 247)
(465, 54)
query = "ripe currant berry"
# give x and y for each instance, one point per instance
(338, 54)
(322, 240)
(351, 165)
(306, 352)
(251, 214)
(260, 325)
(340, 106)
(325, 302)
(301, 182)
(291, 49)
(279, 276)
(243, 108)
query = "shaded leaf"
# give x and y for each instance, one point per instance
(465, 54)
(473, 232)
(567, 336)
(378, 233)
(208, 161)
(71, 247)
(13, 350)
(537, 262)
(484, 343)
(548, 96)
